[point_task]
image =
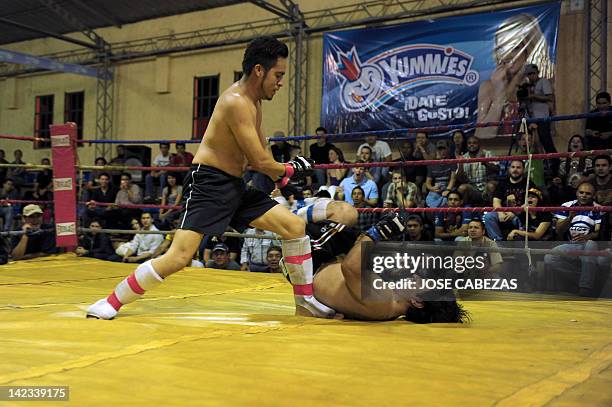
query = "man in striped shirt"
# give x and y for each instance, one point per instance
(579, 229)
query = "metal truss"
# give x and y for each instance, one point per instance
(104, 108)
(596, 59)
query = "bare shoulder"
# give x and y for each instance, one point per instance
(235, 104)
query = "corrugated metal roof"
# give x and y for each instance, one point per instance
(91, 13)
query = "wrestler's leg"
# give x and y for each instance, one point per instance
(296, 257)
(327, 209)
(148, 275)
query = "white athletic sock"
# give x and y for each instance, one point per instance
(298, 261)
(135, 285)
(315, 212)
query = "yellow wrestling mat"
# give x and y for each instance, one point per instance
(209, 337)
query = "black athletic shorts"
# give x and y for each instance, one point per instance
(328, 240)
(214, 199)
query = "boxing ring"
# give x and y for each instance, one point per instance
(213, 337)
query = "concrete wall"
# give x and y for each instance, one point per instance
(154, 96)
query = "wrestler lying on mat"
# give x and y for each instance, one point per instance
(337, 283)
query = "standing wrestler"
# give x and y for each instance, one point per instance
(216, 196)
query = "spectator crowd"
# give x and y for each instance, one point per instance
(569, 182)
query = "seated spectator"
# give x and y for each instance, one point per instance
(44, 178)
(93, 182)
(38, 239)
(143, 246)
(358, 179)
(536, 172)
(307, 193)
(233, 243)
(95, 244)
(182, 157)
(220, 259)
(476, 234)
(580, 229)
(410, 171)
(274, 255)
(441, 178)
(478, 180)
(603, 180)
(450, 225)
(573, 170)
(401, 193)
(538, 227)
(599, 129)
(319, 152)
(161, 160)
(8, 192)
(381, 152)
(118, 160)
(373, 173)
(281, 150)
(254, 250)
(365, 220)
(103, 193)
(423, 148)
(172, 194)
(415, 230)
(18, 174)
(336, 175)
(128, 194)
(459, 145)
(509, 192)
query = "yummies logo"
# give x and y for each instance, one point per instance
(370, 84)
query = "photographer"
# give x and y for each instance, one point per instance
(540, 98)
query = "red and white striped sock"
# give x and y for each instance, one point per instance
(298, 261)
(134, 286)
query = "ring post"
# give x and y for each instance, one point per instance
(63, 151)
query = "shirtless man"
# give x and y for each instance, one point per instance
(337, 283)
(216, 196)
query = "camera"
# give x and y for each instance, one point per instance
(523, 91)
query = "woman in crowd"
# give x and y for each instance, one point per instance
(336, 175)
(172, 194)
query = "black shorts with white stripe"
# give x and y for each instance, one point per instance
(214, 199)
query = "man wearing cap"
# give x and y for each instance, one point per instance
(540, 101)
(220, 259)
(37, 240)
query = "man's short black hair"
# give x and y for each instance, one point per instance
(181, 144)
(164, 144)
(603, 95)
(603, 157)
(479, 221)
(415, 218)
(323, 129)
(100, 158)
(127, 175)
(518, 161)
(104, 174)
(454, 191)
(264, 51)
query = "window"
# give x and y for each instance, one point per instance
(237, 75)
(73, 110)
(205, 95)
(43, 118)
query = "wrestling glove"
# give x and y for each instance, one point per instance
(298, 168)
(390, 226)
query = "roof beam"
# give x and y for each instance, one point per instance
(47, 33)
(272, 8)
(102, 45)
